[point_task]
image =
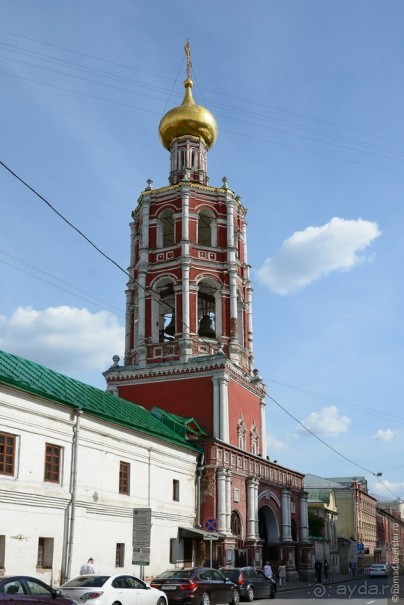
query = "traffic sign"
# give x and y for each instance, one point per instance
(211, 524)
(210, 536)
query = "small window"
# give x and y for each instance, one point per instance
(176, 490)
(53, 457)
(45, 553)
(7, 454)
(2, 551)
(120, 555)
(173, 550)
(124, 478)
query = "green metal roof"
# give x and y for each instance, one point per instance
(33, 378)
(186, 427)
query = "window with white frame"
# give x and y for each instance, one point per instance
(241, 433)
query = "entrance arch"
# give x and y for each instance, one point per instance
(269, 533)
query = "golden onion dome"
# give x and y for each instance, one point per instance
(189, 119)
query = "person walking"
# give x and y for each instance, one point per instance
(318, 566)
(267, 569)
(88, 568)
(326, 568)
(282, 574)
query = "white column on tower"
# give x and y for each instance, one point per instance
(224, 409)
(228, 502)
(251, 507)
(256, 487)
(263, 435)
(230, 221)
(286, 516)
(304, 517)
(185, 300)
(185, 212)
(221, 499)
(143, 267)
(216, 407)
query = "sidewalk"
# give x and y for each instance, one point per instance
(293, 585)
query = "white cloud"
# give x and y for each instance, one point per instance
(66, 339)
(317, 251)
(385, 489)
(273, 443)
(385, 435)
(327, 422)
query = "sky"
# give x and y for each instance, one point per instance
(308, 96)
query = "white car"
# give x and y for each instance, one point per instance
(120, 589)
(378, 570)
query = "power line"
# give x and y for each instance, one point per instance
(224, 106)
(60, 215)
(220, 93)
(373, 473)
(348, 404)
(87, 297)
(132, 280)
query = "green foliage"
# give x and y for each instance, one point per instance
(316, 525)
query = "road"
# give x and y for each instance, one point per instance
(365, 591)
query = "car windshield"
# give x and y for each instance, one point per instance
(176, 573)
(86, 581)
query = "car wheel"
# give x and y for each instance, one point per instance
(205, 599)
(250, 594)
(161, 601)
(236, 598)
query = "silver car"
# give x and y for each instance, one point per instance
(120, 589)
(378, 570)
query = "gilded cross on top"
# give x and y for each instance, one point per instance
(188, 56)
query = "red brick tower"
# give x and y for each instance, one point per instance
(188, 347)
(188, 322)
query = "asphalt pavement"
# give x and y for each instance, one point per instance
(296, 584)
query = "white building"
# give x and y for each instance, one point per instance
(75, 464)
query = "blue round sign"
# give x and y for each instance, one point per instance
(210, 524)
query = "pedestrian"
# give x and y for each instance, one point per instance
(318, 566)
(326, 568)
(282, 574)
(88, 568)
(267, 569)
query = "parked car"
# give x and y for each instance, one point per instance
(197, 585)
(378, 570)
(25, 590)
(122, 589)
(251, 582)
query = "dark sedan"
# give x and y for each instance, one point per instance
(24, 590)
(197, 586)
(251, 582)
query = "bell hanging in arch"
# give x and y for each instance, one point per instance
(169, 330)
(206, 327)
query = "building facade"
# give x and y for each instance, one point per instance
(189, 347)
(78, 468)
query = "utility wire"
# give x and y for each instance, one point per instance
(172, 309)
(63, 218)
(220, 93)
(132, 280)
(87, 294)
(237, 119)
(373, 473)
(348, 404)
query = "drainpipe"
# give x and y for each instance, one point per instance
(73, 492)
(199, 471)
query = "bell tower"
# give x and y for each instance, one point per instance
(189, 347)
